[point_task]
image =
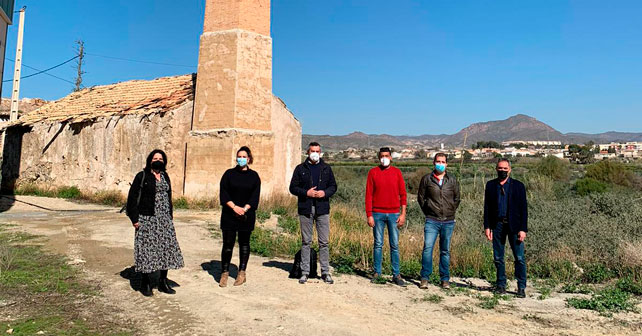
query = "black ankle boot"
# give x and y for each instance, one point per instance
(146, 286)
(163, 286)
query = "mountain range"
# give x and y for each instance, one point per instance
(517, 127)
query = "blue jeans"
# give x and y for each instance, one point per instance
(444, 229)
(500, 233)
(381, 221)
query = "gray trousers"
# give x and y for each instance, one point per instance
(323, 233)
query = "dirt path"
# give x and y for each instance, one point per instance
(101, 241)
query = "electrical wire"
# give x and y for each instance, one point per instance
(44, 71)
(139, 61)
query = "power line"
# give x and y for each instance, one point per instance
(44, 71)
(139, 61)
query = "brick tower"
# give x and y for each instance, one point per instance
(234, 105)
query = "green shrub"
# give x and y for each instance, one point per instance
(576, 288)
(612, 172)
(181, 203)
(608, 300)
(629, 285)
(262, 216)
(344, 263)
(289, 224)
(597, 273)
(588, 185)
(555, 168)
(280, 210)
(69, 192)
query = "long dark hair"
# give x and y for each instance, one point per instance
(148, 163)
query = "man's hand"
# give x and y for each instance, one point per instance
(320, 194)
(239, 211)
(136, 225)
(401, 220)
(489, 234)
(312, 192)
(371, 222)
(521, 235)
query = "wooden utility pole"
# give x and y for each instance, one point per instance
(15, 94)
(81, 55)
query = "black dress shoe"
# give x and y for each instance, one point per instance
(521, 293)
(499, 290)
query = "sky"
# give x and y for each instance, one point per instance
(397, 67)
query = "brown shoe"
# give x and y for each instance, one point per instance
(424, 284)
(445, 285)
(223, 281)
(240, 278)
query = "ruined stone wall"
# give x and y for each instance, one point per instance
(276, 153)
(287, 145)
(104, 154)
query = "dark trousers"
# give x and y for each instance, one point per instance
(229, 238)
(500, 234)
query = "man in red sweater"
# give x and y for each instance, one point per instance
(385, 194)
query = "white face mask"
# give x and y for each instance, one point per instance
(385, 161)
(314, 157)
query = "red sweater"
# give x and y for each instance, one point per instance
(385, 190)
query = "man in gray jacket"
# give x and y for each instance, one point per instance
(439, 198)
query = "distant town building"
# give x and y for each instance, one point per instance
(532, 142)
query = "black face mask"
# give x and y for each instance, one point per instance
(502, 174)
(158, 165)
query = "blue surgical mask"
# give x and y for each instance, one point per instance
(242, 162)
(440, 167)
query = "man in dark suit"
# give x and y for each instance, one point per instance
(313, 183)
(506, 216)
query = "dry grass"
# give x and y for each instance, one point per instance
(631, 254)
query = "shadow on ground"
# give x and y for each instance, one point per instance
(134, 278)
(213, 267)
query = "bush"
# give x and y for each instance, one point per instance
(607, 301)
(629, 285)
(555, 168)
(597, 273)
(262, 216)
(288, 224)
(181, 203)
(612, 172)
(587, 185)
(69, 192)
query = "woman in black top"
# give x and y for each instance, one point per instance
(149, 207)
(240, 190)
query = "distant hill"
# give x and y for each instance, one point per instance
(517, 127)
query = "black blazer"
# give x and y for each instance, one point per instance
(302, 181)
(517, 206)
(148, 196)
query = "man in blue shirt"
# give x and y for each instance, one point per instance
(506, 216)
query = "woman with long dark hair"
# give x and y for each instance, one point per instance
(149, 207)
(239, 194)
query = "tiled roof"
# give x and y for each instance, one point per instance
(131, 97)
